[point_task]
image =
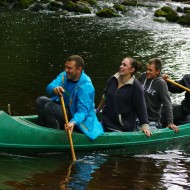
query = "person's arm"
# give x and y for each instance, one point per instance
(173, 88)
(55, 83)
(101, 104)
(84, 104)
(141, 110)
(103, 100)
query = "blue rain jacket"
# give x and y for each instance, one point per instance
(79, 97)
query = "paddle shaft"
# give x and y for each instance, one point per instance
(179, 85)
(68, 131)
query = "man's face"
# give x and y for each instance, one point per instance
(73, 72)
(151, 72)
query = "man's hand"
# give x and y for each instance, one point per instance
(165, 77)
(173, 127)
(147, 132)
(69, 126)
(58, 90)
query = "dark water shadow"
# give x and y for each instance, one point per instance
(102, 171)
(64, 175)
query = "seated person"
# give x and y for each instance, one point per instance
(181, 111)
(78, 92)
(156, 94)
(123, 100)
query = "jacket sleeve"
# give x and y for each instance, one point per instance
(56, 82)
(140, 104)
(85, 104)
(174, 89)
(166, 101)
(105, 88)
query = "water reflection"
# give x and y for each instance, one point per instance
(125, 172)
(49, 172)
(163, 170)
(175, 170)
(80, 172)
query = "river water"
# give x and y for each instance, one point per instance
(33, 49)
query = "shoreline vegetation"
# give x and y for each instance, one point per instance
(114, 8)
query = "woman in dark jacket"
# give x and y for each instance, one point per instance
(123, 100)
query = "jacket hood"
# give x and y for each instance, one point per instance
(84, 78)
(150, 80)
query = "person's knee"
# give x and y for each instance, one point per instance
(41, 101)
(49, 107)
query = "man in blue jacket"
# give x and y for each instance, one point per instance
(78, 93)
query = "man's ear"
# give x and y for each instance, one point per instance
(79, 69)
(158, 72)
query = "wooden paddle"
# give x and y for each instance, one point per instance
(68, 131)
(178, 85)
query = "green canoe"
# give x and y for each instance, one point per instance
(19, 135)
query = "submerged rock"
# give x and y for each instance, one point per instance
(36, 7)
(23, 4)
(172, 17)
(160, 13)
(180, 9)
(186, 9)
(82, 8)
(184, 19)
(119, 7)
(129, 3)
(107, 12)
(92, 2)
(79, 7)
(166, 11)
(69, 6)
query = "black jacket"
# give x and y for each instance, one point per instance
(185, 81)
(123, 105)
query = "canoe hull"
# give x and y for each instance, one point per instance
(18, 135)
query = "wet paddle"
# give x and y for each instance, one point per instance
(178, 85)
(68, 131)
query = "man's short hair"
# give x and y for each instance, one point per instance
(78, 60)
(157, 62)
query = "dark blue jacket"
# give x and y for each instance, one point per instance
(123, 105)
(185, 81)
